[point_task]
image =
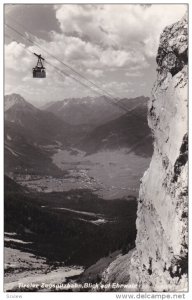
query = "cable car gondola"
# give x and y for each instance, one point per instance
(39, 70)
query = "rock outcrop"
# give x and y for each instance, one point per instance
(159, 261)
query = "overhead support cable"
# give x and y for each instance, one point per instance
(92, 87)
(63, 73)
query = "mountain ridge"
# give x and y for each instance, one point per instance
(91, 110)
(127, 131)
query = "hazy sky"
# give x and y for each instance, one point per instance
(112, 45)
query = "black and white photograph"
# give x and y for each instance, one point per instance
(95, 148)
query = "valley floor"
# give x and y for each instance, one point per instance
(68, 219)
(109, 174)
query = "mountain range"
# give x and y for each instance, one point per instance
(37, 126)
(88, 110)
(90, 124)
(128, 131)
(28, 131)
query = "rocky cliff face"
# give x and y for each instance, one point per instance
(159, 262)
